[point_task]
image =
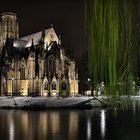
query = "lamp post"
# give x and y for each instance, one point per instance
(88, 84)
(4, 87)
(12, 87)
(12, 93)
(74, 87)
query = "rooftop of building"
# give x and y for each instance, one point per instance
(26, 41)
(8, 14)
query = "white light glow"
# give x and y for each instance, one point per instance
(11, 130)
(45, 46)
(89, 79)
(88, 129)
(49, 47)
(103, 117)
(15, 44)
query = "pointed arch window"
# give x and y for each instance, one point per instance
(53, 86)
(22, 73)
(46, 86)
(37, 87)
(63, 86)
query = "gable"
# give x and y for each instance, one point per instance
(50, 36)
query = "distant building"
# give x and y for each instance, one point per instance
(34, 65)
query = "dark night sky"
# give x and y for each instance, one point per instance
(67, 17)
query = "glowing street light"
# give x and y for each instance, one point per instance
(88, 79)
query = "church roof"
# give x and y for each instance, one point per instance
(19, 48)
(26, 41)
(19, 43)
(36, 37)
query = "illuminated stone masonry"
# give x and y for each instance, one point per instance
(34, 65)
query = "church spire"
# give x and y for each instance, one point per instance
(43, 36)
(32, 49)
(59, 40)
(51, 25)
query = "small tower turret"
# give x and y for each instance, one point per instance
(43, 36)
(9, 26)
(32, 48)
(31, 61)
(59, 40)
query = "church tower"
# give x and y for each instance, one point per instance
(8, 27)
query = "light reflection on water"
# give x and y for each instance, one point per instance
(95, 124)
(40, 125)
(89, 129)
(73, 125)
(11, 129)
(103, 117)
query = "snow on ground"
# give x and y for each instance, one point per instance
(52, 102)
(47, 102)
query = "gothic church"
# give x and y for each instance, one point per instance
(34, 65)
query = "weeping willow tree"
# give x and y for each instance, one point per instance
(110, 44)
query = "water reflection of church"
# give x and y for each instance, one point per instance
(35, 64)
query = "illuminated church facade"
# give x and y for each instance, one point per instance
(34, 65)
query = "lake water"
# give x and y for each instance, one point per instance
(95, 124)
